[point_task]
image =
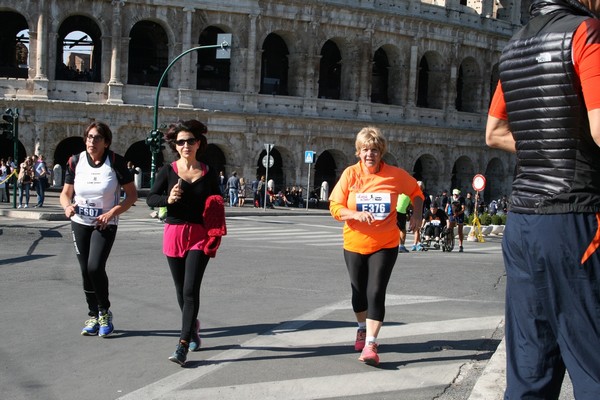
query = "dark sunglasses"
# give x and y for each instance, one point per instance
(190, 142)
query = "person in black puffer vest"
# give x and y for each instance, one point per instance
(546, 109)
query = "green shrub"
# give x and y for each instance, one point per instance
(485, 219)
(497, 220)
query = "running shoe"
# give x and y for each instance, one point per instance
(369, 355)
(195, 340)
(420, 247)
(91, 327)
(402, 249)
(414, 248)
(361, 335)
(106, 325)
(460, 249)
(180, 354)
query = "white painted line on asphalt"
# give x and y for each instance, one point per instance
(289, 333)
(169, 384)
(337, 386)
(315, 337)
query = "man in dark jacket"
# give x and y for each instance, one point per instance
(546, 109)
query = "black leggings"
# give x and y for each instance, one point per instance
(187, 275)
(369, 277)
(92, 247)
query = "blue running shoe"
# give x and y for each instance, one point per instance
(106, 325)
(195, 340)
(180, 354)
(91, 327)
(402, 249)
(414, 248)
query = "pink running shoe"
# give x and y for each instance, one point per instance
(195, 340)
(369, 355)
(361, 335)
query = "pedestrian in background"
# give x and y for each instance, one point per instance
(90, 198)
(417, 246)
(41, 174)
(24, 181)
(233, 186)
(194, 223)
(402, 210)
(3, 181)
(546, 109)
(365, 198)
(455, 209)
(242, 192)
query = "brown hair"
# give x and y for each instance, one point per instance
(102, 129)
(195, 127)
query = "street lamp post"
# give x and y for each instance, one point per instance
(155, 138)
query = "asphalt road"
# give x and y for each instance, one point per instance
(275, 312)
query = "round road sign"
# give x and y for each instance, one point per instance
(479, 182)
(271, 161)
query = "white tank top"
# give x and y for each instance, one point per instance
(97, 190)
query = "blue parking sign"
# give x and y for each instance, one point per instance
(309, 157)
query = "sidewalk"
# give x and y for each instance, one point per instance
(490, 386)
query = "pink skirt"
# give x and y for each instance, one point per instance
(179, 239)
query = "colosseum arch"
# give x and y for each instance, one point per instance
(462, 173)
(430, 82)
(82, 66)
(330, 71)
(427, 169)
(212, 73)
(468, 86)
(328, 167)
(139, 154)
(380, 77)
(495, 179)
(148, 54)
(274, 66)
(276, 172)
(494, 77)
(14, 38)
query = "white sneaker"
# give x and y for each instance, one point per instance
(20, 206)
(26, 206)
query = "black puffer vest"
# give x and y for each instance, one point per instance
(558, 163)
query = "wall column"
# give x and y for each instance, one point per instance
(115, 86)
(251, 68)
(40, 81)
(187, 71)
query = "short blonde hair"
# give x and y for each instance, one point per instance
(370, 137)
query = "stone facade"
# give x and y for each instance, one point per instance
(422, 71)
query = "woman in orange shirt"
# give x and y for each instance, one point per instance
(365, 198)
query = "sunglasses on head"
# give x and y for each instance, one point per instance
(190, 142)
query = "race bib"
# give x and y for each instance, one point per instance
(378, 204)
(88, 210)
(435, 222)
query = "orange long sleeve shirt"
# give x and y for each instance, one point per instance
(355, 188)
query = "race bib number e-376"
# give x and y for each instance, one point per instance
(378, 204)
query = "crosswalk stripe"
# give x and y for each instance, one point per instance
(315, 337)
(324, 387)
(291, 335)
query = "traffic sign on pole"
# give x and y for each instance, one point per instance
(309, 157)
(479, 182)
